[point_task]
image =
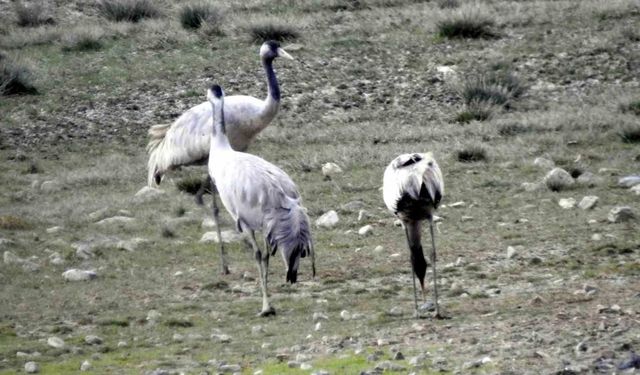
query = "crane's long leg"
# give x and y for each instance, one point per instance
(262, 261)
(224, 267)
(435, 277)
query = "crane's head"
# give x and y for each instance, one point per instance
(271, 49)
(215, 93)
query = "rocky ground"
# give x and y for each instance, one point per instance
(538, 235)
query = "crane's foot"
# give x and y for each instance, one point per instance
(268, 312)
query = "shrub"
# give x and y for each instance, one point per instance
(631, 107)
(511, 129)
(128, 10)
(269, 31)
(10, 222)
(33, 14)
(190, 185)
(472, 153)
(494, 88)
(196, 15)
(478, 111)
(83, 39)
(466, 22)
(15, 78)
(630, 133)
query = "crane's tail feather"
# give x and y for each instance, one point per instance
(418, 263)
(157, 135)
(289, 231)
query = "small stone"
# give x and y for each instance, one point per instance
(544, 163)
(353, 206)
(596, 237)
(382, 342)
(396, 311)
(120, 221)
(589, 179)
(228, 236)
(558, 179)
(512, 252)
(147, 193)
(318, 326)
(328, 220)
(378, 249)
(457, 204)
(85, 366)
(363, 214)
(629, 181)
(54, 230)
(366, 230)
(153, 315)
(178, 337)
(635, 189)
(305, 366)
(257, 330)
(221, 338)
(319, 316)
(588, 202)
(372, 357)
(531, 186)
(122, 344)
(345, 315)
(581, 348)
(92, 340)
(55, 342)
(293, 364)
(331, 169)
(229, 369)
(11, 258)
(589, 289)
(621, 214)
(51, 186)
(418, 360)
(398, 356)
(79, 275)
(209, 223)
(567, 203)
(56, 259)
(31, 367)
(466, 218)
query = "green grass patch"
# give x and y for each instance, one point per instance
(195, 15)
(32, 14)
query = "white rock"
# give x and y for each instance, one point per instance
(11, 258)
(51, 186)
(331, 169)
(31, 367)
(319, 316)
(122, 344)
(345, 315)
(116, 220)
(596, 237)
(621, 214)
(457, 204)
(55, 342)
(318, 326)
(209, 222)
(531, 186)
(635, 189)
(148, 193)
(544, 163)
(448, 73)
(328, 220)
(85, 366)
(378, 249)
(466, 218)
(228, 236)
(588, 202)
(79, 275)
(153, 315)
(229, 369)
(92, 340)
(558, 179)
(221, 338)
(512, 252)
(363, 214)
(305, 366)
(366, 230)
(629, 181)
(54, 230)
(567, 203)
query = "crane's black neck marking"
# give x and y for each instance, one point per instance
(218, 119)
(272, 82)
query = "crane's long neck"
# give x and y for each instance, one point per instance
(273, 96)
(219, 140)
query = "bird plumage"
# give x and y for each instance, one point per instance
(186, 141)
(259, 196)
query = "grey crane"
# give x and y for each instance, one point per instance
(259, 197)
(412, 190)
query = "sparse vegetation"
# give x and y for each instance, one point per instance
(478, 111)
(32, 14)
(471, 153)
(197, 15)
(630, 133)
(469, 21)
(631, 107)
(15, 78)
(491, 88)
(190, 185)
(512, 129)
(10, 222)
(264, 31)
(128, 10)
(448, 4)
(84, 38)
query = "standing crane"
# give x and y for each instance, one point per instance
(412, 190)
(187, 140)
(259, 197)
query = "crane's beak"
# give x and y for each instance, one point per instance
(283, 53)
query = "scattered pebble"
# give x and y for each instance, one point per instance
(317, 316)
(116, 220)
(31, 367)
(558, 179)
(331, 169)
(147, 193)
(293, 364)
(54, 230)
(55, 342)
(635, 189)
(92, 340)
(512, 251)
(588, 202)
(544, 163)
(305, 366)
(328, 220)
(596, 237)
(457, 204)
(85, 366)
(629, 181)
(79, 275)
(621, 214)
(345, 315)
(366, 230)
(363, 214)
(567, 203)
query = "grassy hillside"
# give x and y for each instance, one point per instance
(487, 86)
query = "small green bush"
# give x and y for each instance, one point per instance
(470, 154)
(196, 15)
(630, 133)
(494, 88)
(128, 10)
(15, 78)
(477, 111)
(631, 107)
(466, 22)
(270, 31)
(32, 15)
